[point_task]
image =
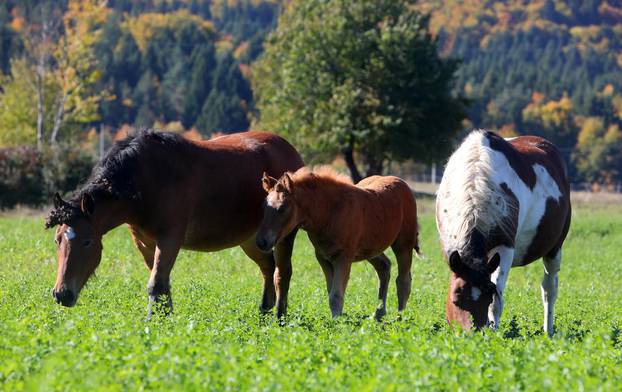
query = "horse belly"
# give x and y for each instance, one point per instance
(380, 233)
(205, 238)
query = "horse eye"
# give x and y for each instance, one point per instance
(87, 243)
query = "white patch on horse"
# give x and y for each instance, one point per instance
(468, 196)
(475, 293)
(252, 143)
(532, 201)
(70, 234)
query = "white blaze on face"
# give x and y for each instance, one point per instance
(475, 293)
(272, 199)
(70, 233)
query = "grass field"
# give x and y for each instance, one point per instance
(216, 339)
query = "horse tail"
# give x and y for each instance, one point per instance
(416, 247)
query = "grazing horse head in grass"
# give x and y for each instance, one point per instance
(79, 246)
(501, 204)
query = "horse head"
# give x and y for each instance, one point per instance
(79, 246)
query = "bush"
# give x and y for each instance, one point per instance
(30, 177)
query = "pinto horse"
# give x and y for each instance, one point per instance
(501, 204)
(345, 223)
(173, 193)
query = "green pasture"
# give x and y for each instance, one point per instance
(216, 339)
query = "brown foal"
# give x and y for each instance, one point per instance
(345, 223)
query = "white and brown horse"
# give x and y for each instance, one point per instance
(501, 204)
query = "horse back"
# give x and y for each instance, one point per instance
(390, 210)
(214, 193)
(544, 202)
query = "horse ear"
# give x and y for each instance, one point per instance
(87, 204)
(455, 262)
(267, 182)
(58, 201)
(288, 183)
(493, 263)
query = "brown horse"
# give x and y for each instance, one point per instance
(173, 193)
(501, 204)
(345, 223)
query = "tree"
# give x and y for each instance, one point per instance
(59, 50)
(553, 120)
(361, 79)
(40, 26)
(598, 154)
(18, 116)
(76, 70)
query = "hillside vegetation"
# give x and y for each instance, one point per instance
(549, 67)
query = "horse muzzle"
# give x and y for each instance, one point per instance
(266, 240)
(264, 244)
(65, 297)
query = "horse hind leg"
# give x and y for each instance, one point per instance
(265, 262)
(552, 264)
(145, 246)
(403, 255)
(382, 265)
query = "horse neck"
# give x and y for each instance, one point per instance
(315, 205)
(109, 214)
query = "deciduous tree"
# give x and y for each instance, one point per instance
(361, 78)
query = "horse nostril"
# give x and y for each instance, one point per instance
(55, 296)
(261, 243)
(64, 297)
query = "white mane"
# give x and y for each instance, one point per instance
(468, 197)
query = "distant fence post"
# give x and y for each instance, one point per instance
(433, 174)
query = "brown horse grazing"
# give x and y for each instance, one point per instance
(173, 193)
(501, 204)
(345, 223)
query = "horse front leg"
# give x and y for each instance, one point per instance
(283, 271)
(266, 264)
(327, 268)
(341, 275)
(499, 277)
(159, 287)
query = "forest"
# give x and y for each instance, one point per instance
(547, 67)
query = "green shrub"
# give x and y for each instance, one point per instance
(30, 177)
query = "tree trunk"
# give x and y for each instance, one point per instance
(58, 119)
(39, 88)
(374, 166)
(348, 154)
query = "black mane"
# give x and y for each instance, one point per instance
(113, 176)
